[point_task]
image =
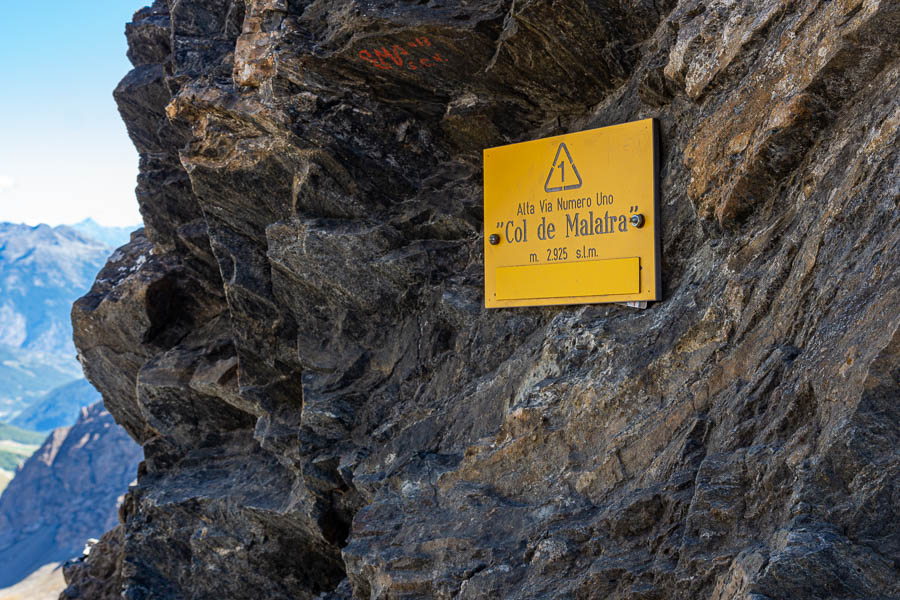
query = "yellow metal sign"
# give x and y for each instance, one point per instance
(572, 219)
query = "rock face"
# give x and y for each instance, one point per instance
(65, 493)
(299, 341)
(99, 573)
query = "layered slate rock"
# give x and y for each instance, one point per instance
(298, 339)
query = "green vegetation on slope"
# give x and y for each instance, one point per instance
(22, 436)
(11, 454)
(16, 445)
(5, 478)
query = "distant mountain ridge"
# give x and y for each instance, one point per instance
(40, 267)
(43, 269)
(58, 408)
(111, 236)
(65, 493)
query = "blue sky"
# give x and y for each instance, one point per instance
(64, 152)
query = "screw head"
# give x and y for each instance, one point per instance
(637, 221)
(494, 239)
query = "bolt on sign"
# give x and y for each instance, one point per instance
(573, 219)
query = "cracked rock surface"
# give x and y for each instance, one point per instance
(298, 339)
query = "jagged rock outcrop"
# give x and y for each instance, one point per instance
(299, 341)
(65, 493)
(98, 573)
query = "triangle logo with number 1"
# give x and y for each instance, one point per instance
(563, 175)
